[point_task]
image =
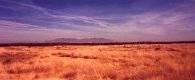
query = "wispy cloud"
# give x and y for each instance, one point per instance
(48, 13)
(161, 23)
(13, 5)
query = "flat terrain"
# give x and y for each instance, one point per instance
(98, 62)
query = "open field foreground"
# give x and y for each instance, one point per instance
(98, 62)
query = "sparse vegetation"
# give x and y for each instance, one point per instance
(98, 62)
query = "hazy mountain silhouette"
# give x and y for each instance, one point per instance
(85, 40)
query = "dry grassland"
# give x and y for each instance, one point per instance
(100, 62)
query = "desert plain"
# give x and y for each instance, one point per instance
(98, 62)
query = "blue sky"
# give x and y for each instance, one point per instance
(120, 20)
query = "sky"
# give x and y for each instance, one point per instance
(119, 20)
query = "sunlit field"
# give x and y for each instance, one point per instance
(98, 62)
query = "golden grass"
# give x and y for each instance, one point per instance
(101, 62)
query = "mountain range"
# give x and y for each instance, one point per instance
(85, 40)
